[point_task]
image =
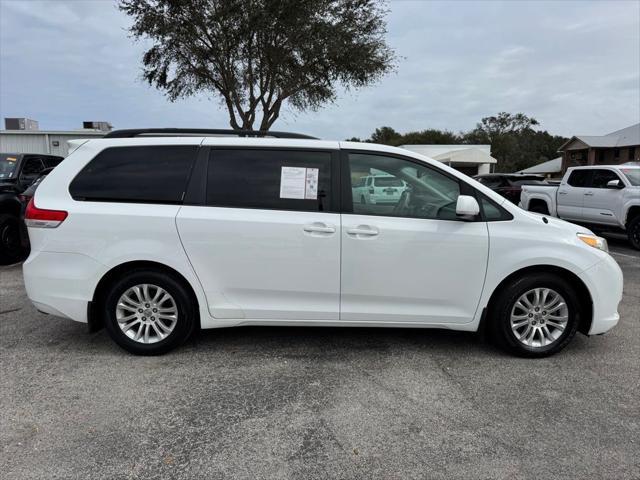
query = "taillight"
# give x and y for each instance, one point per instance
(41, 218)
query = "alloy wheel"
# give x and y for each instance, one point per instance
(539, 317)
(146, 313)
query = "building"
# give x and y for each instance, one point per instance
(469, 159)
(19, 137)
(614, 148)
(550, 168)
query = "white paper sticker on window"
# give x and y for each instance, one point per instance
(299, 183)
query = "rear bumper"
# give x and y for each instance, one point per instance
(61, 284)
(604, 281)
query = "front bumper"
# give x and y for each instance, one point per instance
(605, 282)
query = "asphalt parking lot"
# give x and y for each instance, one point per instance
(316, 403)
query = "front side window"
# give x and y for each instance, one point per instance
(602, 177)
(411, 190)
(579, 178)
(270, 179)
(156, 174)
(8, 165)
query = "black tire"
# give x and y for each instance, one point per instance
(11, 248)
(633, 232)
(539, 208)
(501, 308)
(185, 304)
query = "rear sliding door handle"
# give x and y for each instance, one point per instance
(319, 228)
(363, 230)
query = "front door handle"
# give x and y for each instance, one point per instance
(589, 194)
(319, 227)
(562, 193)
(364, 230)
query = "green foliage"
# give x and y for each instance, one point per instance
(514, 141)
(258, 54)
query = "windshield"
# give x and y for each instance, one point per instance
(633, 174)
(7, 165)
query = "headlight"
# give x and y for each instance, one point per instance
(594, 241)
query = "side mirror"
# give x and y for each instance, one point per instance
(614, 184)
(467, 207)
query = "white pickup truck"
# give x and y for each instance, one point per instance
(605, 196)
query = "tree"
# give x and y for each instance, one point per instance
(257, 55)
(514, 141)
(386, 136)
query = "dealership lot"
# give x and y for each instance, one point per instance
(315, 403)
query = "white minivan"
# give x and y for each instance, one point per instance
(156, 233)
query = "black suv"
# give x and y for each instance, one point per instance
(509, 185)
(18, 171)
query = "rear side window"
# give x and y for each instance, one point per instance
(270, 179)
(156, 174)
(579, 178)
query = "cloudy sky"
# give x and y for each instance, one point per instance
(573, 65)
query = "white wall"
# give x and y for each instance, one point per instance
(41, 142)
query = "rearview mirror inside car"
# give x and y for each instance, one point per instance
(467, 207)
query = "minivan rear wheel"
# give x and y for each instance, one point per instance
(535, 316)
(148, 312)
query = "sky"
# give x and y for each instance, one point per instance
(572, 65)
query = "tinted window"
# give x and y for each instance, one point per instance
(529, 181)
(52, 161)
(270, 179)
(491, 182)
(491, 211)
(579, 178)
(425, 192)
(155, 174)
(32, 166)
(601, 177)
(388, 182)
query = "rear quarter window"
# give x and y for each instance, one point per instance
(155, 174)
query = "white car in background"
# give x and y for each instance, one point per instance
(378, 189)
(155, 233)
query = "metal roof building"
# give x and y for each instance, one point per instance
(53, 142)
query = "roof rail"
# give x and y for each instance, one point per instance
(176, 132)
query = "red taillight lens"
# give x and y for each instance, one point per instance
(38, 217)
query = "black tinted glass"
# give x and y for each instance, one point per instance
(270, 179)
(602, 177)
(52, 161)
(579, 178)
(156, 174)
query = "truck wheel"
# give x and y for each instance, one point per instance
(536, 315)
(539, 208)
(633, 232)
(11, 250)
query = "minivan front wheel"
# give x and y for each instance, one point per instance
(148, 312)
(535, 316)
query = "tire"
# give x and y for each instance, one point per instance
(539, 208)
(506, 337)
(11, 249)
(140, 320)
(633, 232)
